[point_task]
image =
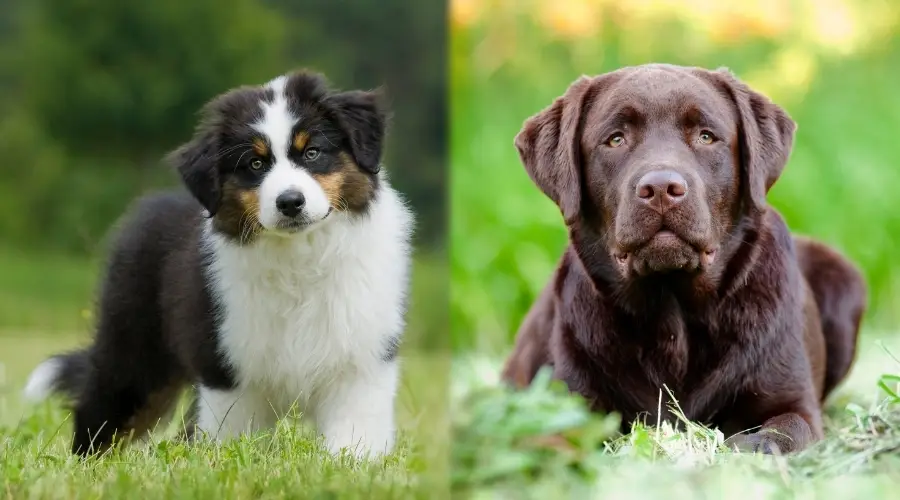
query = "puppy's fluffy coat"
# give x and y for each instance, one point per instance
(279, 279)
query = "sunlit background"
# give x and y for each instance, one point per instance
(833, 64)
(94, 92)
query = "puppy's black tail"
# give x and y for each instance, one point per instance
(64, 374)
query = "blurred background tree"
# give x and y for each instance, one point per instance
(94, 92)
(834, 65)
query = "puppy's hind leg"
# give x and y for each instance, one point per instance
(840, 292)
(107, 411)
(103, 406)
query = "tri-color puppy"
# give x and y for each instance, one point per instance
(278, 280)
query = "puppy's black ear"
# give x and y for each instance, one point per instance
(363, 115)
(196, 163)
(766, 134)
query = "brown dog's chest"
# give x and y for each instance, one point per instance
(636, 366)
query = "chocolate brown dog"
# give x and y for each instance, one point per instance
(677, 272)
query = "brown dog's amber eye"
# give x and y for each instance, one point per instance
(256, 164)
(616, 141)
(706, 137)
(311, 154)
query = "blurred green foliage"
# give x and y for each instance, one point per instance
(500, 433)
(94, 92)
(544, 442)
(506, 237)
(125, 80)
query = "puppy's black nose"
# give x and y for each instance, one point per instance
(290, 203)
(661, 189)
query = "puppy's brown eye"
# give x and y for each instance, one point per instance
(311, 154)
(615, 141)
(256, 164)
(706, 137)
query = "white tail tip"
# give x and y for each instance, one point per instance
(40, 383)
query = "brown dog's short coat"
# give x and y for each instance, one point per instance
(678, 273)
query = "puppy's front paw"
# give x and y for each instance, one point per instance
(372, 441)
(358, 413)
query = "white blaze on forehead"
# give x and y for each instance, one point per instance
(277, 121)
(277, 125)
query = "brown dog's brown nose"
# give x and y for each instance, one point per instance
(661, 189)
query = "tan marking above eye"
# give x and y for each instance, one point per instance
(260, 147)
(300, 140)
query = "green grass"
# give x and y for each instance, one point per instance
(544, 443)
(285, 463)
(288, 462)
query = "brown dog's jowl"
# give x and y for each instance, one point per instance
(678, 272)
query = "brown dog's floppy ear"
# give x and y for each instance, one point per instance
(767, 137)
(549, 147)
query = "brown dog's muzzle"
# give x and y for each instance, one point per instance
(663, 224)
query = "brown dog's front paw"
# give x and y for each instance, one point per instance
(766, 442)
(783, 434)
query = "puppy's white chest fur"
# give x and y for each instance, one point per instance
(306, 319)
(292, 320)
